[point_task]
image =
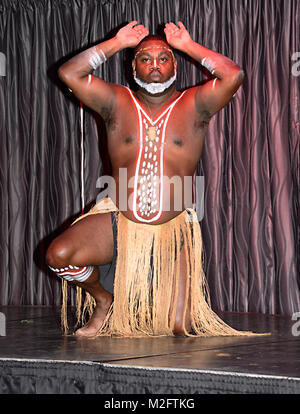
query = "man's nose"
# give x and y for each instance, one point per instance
(154, 65)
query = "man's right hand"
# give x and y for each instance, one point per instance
(131, 34)
(91, 90)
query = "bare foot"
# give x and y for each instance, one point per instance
(96, 320)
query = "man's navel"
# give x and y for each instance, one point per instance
(128, 140)
(178, 142)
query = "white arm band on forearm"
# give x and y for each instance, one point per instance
(95, 59)
(208, 64)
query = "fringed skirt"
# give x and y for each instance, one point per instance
(146, 281)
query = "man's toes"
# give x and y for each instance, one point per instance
(85, 332)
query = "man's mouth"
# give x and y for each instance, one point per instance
(155, 76)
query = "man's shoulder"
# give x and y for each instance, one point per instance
(119, 88)
(188, 94)
(191, 89)
(121, 92)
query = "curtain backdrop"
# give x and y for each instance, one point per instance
(251, 155)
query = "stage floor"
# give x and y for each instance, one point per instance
(268, 364)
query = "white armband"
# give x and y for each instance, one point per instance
(208, 64)
(95, 59)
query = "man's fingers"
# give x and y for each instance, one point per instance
(181, 25)
(134, 25)
(140, 27)
(171, 26)
(142, 35)
(141, 30)
(131, 24)
(132, 33)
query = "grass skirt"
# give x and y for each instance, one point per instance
(146, 279)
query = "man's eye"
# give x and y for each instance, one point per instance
(163, 59)
(146, 60)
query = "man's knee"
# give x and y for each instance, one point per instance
(59, 254)
(59, 258)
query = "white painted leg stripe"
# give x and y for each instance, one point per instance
(69, 274)
(85, 275)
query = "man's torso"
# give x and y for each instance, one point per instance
(177, 158)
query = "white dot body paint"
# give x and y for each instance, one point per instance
(149, 209)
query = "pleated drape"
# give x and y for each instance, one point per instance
(251, 161)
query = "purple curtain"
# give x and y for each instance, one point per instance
(250, 162)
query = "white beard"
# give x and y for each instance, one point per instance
(154, 88)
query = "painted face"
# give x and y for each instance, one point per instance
(154, 62)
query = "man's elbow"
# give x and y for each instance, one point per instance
(238, 77)
(66, 77)
(234, 77)
(62, 73)
(234, 80)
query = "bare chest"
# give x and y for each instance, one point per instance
(176, 130)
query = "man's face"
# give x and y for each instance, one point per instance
(153, 62)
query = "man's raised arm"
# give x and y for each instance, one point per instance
(228, 76)
(77, 72)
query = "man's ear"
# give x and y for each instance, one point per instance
(133, 65)
(175, 65)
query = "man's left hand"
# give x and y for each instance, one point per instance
(177, 37)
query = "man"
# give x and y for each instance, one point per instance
(153, 133)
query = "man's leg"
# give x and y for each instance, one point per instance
(89, 242)
(182, 322)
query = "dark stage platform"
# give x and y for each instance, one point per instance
(36, 359)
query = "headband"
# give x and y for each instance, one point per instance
(154, 47)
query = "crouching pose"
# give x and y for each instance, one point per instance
(154, 133)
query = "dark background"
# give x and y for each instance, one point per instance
(251, 158)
